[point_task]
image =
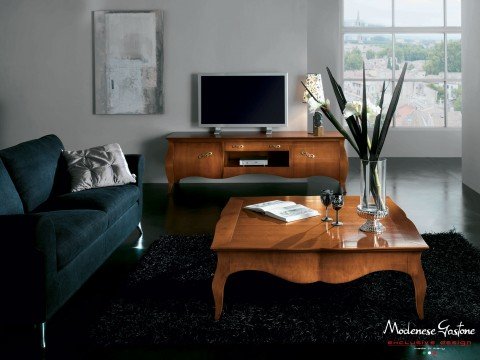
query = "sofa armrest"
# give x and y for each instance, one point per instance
(136, 164)
(34, 232)
(28, 262)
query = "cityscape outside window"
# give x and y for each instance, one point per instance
(384, 34)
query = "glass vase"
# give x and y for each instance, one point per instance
(373, 205)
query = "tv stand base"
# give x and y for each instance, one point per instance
(218, 130)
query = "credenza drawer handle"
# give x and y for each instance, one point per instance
(238, 146)
(275, 146)
(307, 154)
(204, 155)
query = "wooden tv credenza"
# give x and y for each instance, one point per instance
(289, 154)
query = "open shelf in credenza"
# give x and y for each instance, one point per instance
(275, 158)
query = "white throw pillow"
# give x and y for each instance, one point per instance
(100, 166)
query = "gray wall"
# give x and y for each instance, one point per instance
(323, 45)
(46, 67)
(471, 83)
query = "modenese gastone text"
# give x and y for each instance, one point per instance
(443, 328)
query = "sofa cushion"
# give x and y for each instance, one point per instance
(114, 200)
(75, 230)
(10, 203)
(100, 166)
(32, 166)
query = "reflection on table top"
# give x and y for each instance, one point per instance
(240, 229)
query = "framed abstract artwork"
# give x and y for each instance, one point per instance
(128, 57)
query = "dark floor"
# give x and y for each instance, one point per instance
(429, 190)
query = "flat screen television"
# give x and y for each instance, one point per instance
(243, 100)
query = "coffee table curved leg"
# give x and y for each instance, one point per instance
(420, 285)
(218, 284)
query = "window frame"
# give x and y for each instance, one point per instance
(393, 30)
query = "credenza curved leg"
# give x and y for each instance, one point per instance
(420, 285)
(218, 284)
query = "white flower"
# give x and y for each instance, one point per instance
(327, 104)
(314, 106)
(372, 112)
(355, 108)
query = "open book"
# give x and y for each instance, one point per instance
(283, 210)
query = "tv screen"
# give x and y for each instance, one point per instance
(242, 100)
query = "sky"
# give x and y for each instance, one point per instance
(407, 12)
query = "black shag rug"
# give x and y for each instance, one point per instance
(168, 301)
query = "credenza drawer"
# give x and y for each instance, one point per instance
(198, 159)
(256, 146)
(316, 159)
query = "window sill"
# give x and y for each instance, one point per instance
(427, 129)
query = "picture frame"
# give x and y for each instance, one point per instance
(128, 62)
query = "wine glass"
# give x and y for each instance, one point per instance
(337, 204)
(326, 197)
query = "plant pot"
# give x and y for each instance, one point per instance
(318, 131)
(372, 205)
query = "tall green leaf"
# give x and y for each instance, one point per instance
(334, 121)
(376, 129)
(390, 112)
(340, 128)
(310, 93)
(354, 128)
(364, 119)
(337, 89)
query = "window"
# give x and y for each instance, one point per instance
(424, 33)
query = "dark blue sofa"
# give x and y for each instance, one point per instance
(53, 240)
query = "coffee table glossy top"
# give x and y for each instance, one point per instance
(240, 229)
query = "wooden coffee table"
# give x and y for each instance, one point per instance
(309, 250)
